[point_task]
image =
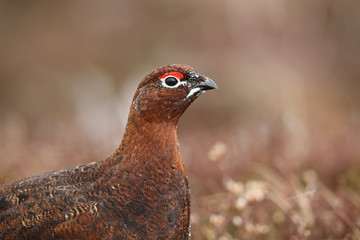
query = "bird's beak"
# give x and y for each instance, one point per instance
(202, 84)
(208, 84)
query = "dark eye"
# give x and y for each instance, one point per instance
(171, 81)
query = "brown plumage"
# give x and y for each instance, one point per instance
(139, 192)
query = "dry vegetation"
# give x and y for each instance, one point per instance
(270, 196)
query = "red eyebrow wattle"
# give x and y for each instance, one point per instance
(175, 74)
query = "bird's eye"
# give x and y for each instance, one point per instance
(171, 81)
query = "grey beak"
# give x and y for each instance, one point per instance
(208, 84)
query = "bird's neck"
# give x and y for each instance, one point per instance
(151, 139)
(148, 134)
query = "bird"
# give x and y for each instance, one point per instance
(141, 191)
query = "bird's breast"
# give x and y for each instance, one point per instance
(150, 195)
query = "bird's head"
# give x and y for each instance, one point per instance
(165, 93)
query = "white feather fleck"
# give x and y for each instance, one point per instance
(193, 91)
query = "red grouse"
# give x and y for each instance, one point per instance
(139, 192)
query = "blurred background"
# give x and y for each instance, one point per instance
(274, 154)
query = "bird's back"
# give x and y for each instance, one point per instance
(33, 207)
(105, 198)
